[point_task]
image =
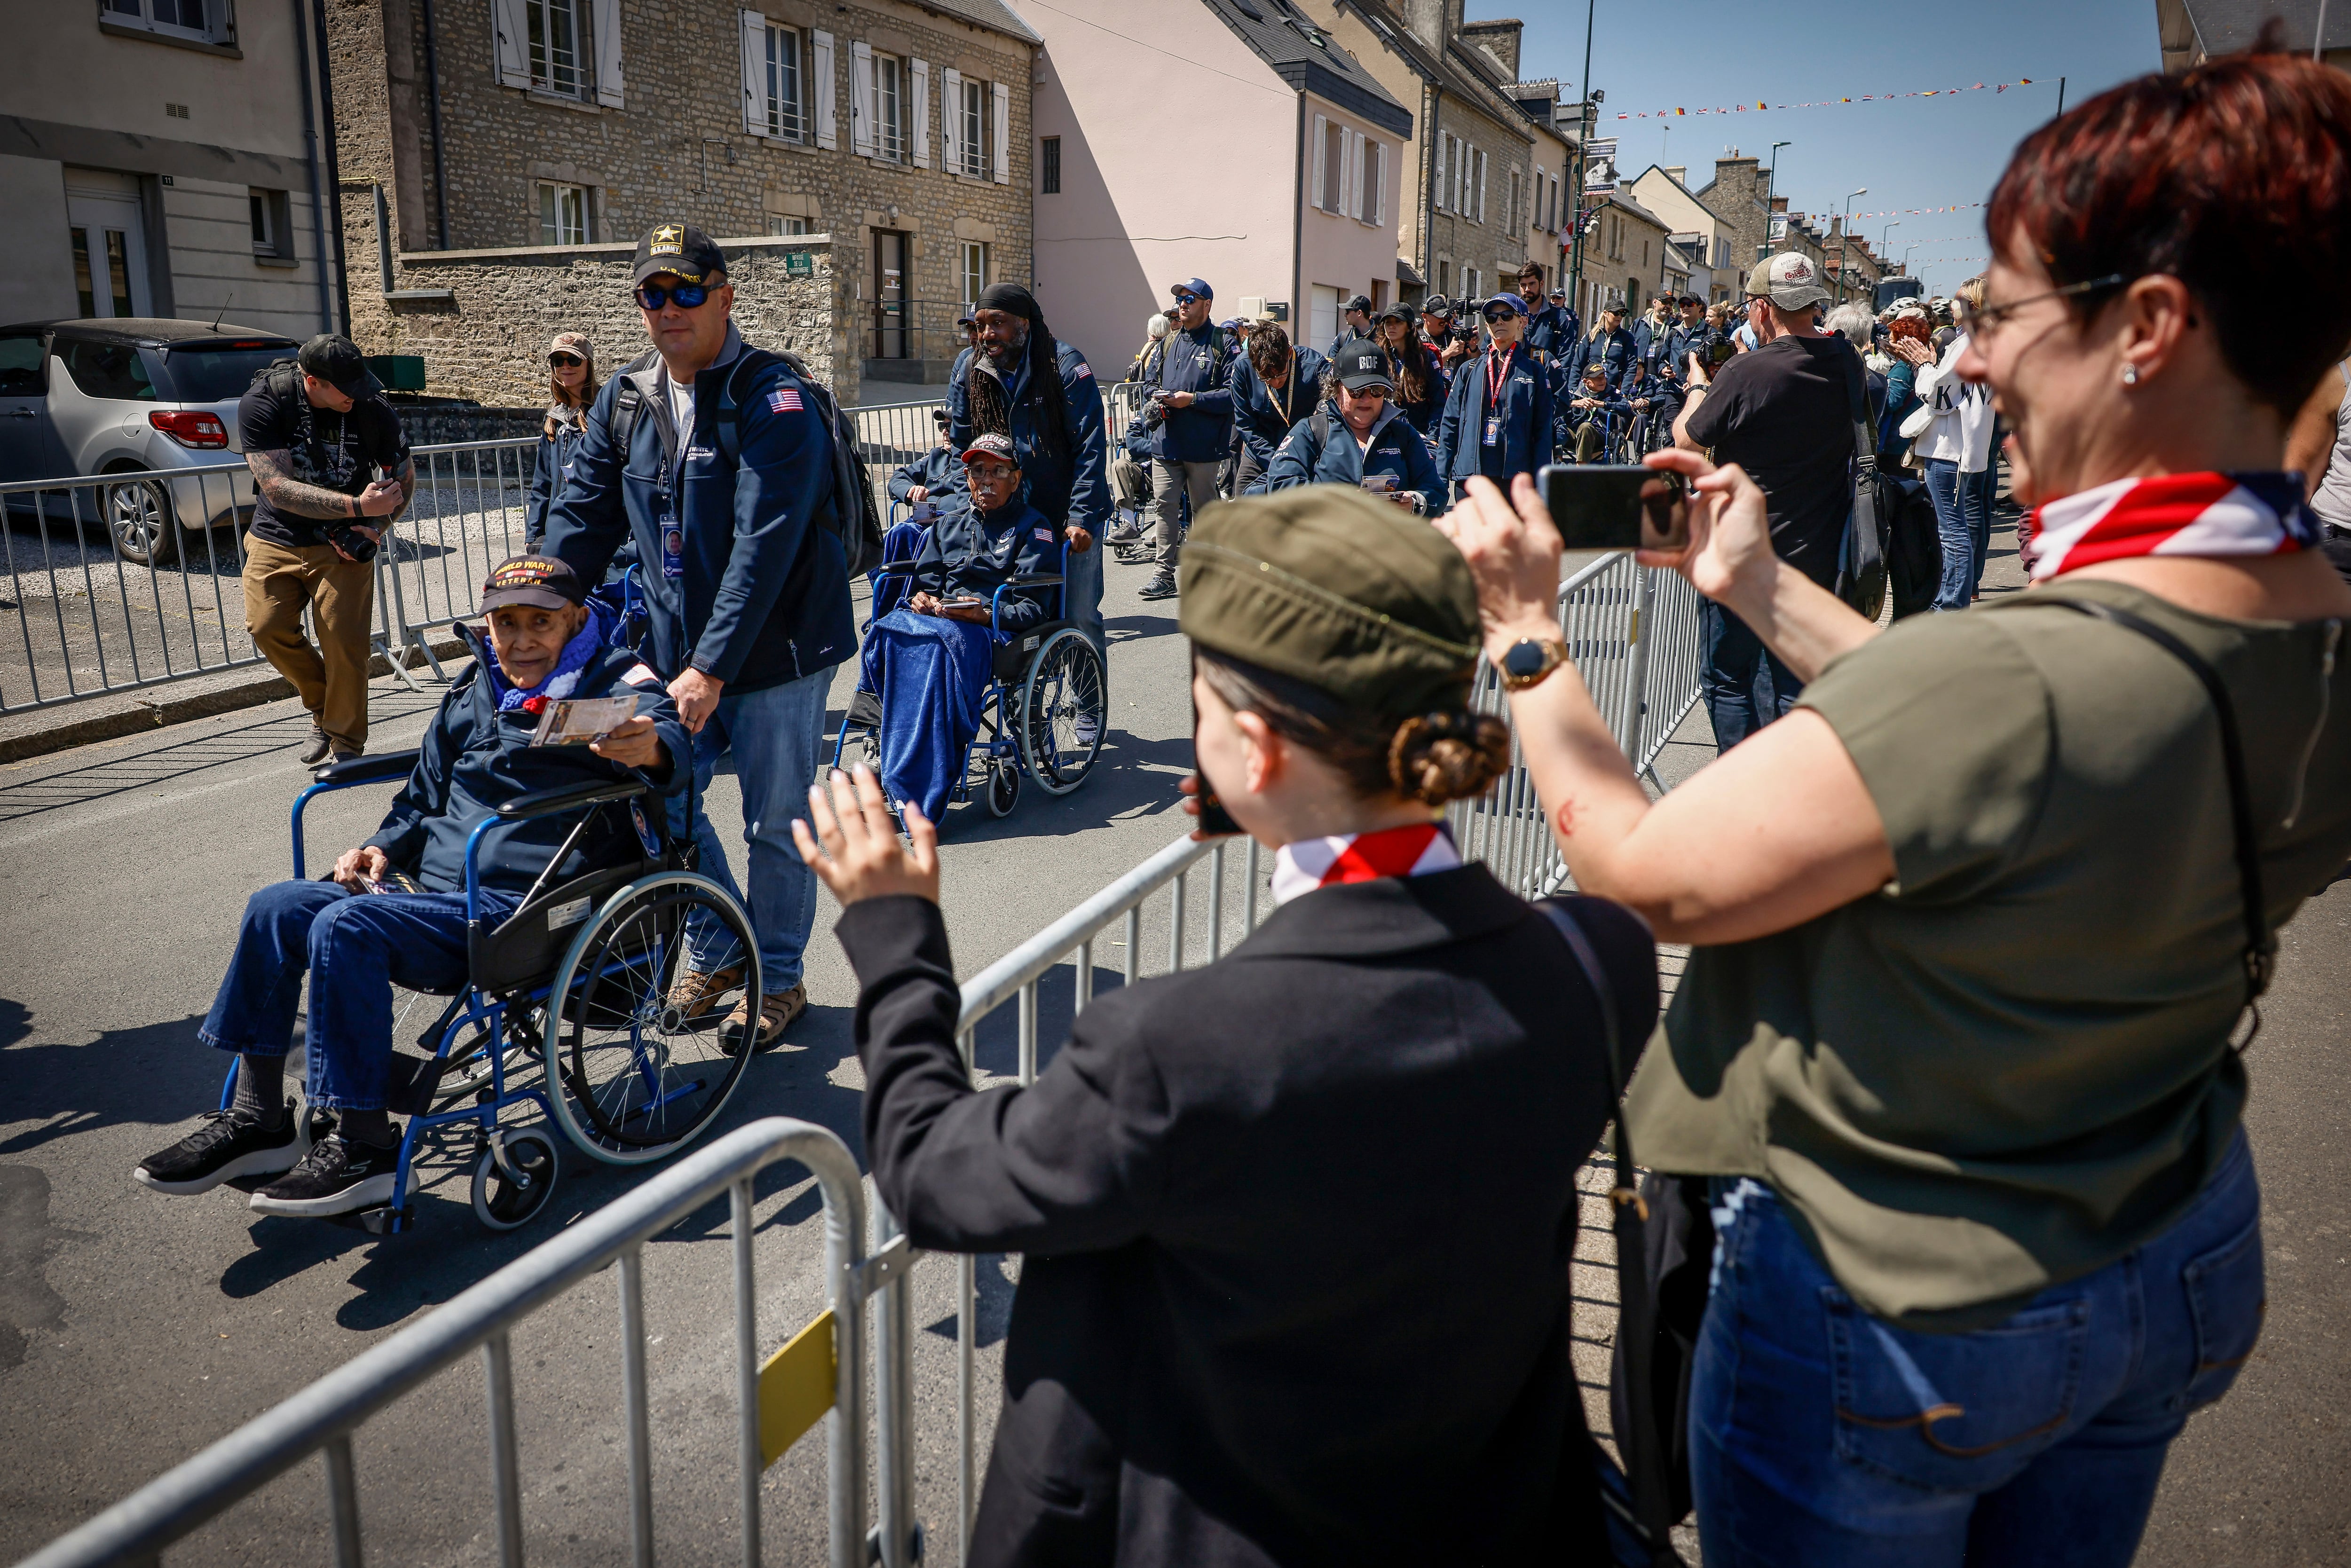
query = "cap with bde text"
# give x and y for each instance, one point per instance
(1361, 363)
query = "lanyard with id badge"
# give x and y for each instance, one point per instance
(1494, 383)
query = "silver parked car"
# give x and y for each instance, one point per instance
(131, 395)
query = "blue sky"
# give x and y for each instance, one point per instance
(1911, 152)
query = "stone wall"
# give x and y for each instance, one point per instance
(485, 340)
(674, 150)
(1736, 196)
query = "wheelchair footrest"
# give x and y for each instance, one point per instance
(412, 1084)
(381, 1220)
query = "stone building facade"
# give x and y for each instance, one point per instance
(494, 149)
(1736, 198)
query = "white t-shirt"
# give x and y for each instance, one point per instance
(1960, 430)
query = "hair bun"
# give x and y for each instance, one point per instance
(1442, 756)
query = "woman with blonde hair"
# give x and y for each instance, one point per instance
(571, 390)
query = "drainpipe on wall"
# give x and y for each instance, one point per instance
(433, 104)
(1297, 229)
(334, 166)
(310, 146)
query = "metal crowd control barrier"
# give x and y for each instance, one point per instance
(818, 1374)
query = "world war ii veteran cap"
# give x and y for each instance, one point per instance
(683, 251)
(1328, 586)
(539, 581)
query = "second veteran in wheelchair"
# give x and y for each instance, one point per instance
(403, 908)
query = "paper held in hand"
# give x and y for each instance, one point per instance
(576, 721)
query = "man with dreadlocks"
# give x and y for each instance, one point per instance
(1022, 383)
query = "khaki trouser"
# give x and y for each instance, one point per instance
(333, 678)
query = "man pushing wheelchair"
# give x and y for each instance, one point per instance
(394, 911)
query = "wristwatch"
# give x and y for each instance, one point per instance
(1529, 660)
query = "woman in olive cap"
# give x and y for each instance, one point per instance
(1298, 1225)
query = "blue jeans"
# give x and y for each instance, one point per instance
(1824, 1437)
(1963, 521)
(1746, 685)
(1084, 601)
(356, 947)
(777, 734)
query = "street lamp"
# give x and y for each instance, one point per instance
(1845, 256)
(1771, 186)
(1914, 244)
(1884, 240)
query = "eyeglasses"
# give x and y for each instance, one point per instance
(565, 360)
(1375, 389)
(689, 296)
(1493, 316)
(1984, 321)
(1186, 298)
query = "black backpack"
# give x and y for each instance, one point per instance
(858, 525)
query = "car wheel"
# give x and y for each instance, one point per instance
(139, 517)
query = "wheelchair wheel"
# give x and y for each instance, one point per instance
(1062, 712)
(630, 1077)
(1003, 787)
(512, 1184)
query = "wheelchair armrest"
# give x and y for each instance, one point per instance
(368, 769)
(1034, 579)
(550, 802)
(897, 569)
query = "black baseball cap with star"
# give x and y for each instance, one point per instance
(681, 250)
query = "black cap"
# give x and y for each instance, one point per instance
(1361, 363)
(1360, 302)
(542, 582)
(1436, 305)
(336, 361)
(683, 251)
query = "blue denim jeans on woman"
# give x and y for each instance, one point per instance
(1822, 1437)
(356, 946)
(774, 734)
(1963, 522)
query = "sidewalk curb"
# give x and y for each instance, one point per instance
(261, 685)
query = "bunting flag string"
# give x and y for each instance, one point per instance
(1760, 107)
(1918, 212)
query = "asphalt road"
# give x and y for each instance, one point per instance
(136, 1328)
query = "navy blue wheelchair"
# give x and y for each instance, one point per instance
(569, 1009)
(1044, 711)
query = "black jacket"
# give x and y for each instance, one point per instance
(1298, 1230)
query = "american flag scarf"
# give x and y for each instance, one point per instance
(1413, 851)
(2176, 514)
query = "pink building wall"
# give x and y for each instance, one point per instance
(1180, 158)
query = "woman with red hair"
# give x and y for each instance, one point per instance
(1974, 923)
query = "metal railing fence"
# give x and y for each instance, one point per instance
(323, 1417)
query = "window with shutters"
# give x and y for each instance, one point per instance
(556, 46)
(1371, 182)
(1049, 167)
(973, 270)
(972, 138)
(889, 108)
(779, 73)
(562, 213)
(1335, 164)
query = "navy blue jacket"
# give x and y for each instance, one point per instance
(931, 470)
(1611, 406)
(1072, 489)
(1395, 447)
(1524, 404)
(1188, 361)
(548, 470)
(1259, 424)
(1613, 349)
(475, 758)
(1553, 331)
(763, 596)
(1425, 413)
(972, 552)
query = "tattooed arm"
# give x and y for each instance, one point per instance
(273, 476)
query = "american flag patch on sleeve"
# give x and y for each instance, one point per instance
(640, 676)
(784, 400)
(1045, 535)
(1084, 369)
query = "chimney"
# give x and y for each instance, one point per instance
(1500, 39)
(1426, 20)
(1680, 172)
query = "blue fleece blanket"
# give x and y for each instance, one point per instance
(932, 674)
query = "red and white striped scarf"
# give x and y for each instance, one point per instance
(2176, 514)
(1414, 851)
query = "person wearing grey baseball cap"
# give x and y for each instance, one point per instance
(1781, 413)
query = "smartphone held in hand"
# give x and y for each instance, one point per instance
(1606, 507)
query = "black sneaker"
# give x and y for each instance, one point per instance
(338, 1176)
(314, 751)
(1160, 586)
(226, 1146)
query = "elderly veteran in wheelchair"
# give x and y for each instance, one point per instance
(929, 659)
(394, 910)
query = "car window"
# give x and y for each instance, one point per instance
(218, 375)
(20, 365)
(108, 369)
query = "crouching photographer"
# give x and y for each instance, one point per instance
(1953, 1048)
(1237, 1329)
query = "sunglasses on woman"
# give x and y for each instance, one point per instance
(566, 361)
(1493, 316)
(689, 296)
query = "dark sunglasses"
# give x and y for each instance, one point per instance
(1502, 316)
(565, 360)
(1185, 299)
(689, 296)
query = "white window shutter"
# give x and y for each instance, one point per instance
(1380, 185)
(1481, 187)
(1340, 202)
(861, 98)
(755, 73)
(1314, 151)
(921, 74)
(1436, 199)
(508, 36)
(1001, 96)
(607, 22)
(820, 47)
(951, 121)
